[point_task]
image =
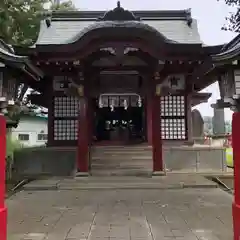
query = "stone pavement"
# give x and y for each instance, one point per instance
(121, 214)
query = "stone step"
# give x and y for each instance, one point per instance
(120, 166)
(121, 149)
(124, 151)
(121, 158)
(121, 161)
(170, 181)
(122, 172)
(121, 153)
(124, 146)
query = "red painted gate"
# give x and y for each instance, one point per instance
(236, 159)
(3, 210)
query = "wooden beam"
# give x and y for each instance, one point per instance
(197, 98)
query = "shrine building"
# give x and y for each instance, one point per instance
(120, 78)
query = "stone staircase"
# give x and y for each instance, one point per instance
(132, 160)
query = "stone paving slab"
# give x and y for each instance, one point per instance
(171, 181)
(184, 214)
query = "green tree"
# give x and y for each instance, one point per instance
(20, 19)
(233, 20)
(67, 5)
(228, 126)
(19, 25)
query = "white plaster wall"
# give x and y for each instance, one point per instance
(33, 127)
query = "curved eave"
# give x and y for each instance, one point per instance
(227, 55)
(10, 57)
(229, 51)
(6, 47)
(102, 31)
(129, 32)
(232, 43)
(116, 26)
(20, 62)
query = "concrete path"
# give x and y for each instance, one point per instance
(121, 214)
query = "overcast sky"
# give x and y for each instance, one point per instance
(209, 13)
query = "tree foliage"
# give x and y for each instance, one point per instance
(20, 19)
(233, 20)
(67, 5)
(22, 106)
(19, 25)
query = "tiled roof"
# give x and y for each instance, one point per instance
(64, 27)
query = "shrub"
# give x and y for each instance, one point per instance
(12, 145)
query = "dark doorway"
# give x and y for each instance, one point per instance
(119, 123)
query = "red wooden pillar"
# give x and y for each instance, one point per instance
(149, 119)
(83, 136)
(156, 135)
(50, 140)
(90, 120)
(236, 159)
(3, 210)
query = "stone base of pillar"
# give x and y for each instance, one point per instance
(158, 173)
(3, 223)
(236, 221)
(81, 174)
(189, 143)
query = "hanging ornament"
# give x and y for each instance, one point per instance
(158, 89)
(112, 105)
(100, 102)
(125, 104)
(139, 102)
